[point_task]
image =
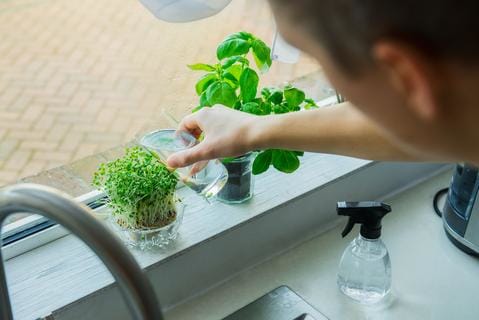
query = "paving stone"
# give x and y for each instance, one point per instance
(17, 160)
(33, 168)
(59, 156)
(38, 145)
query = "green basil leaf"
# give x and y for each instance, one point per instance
(249, 84)
(280, 108)
(266, 93)
(227, 160)
(232, 47)
(276, 96)
(228, 62)
(237, 105)
(285, 161)
(299, 153)
(266, 107)
(262, 162)
(235, 70)
(201, 66)
(204, 82)
(310, 104)
(294, 97)
(221, 92)
(204, 100)
(240, 35)
(262, 55)
(231, 79)
(252, 108)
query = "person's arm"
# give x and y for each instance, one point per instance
(338, 130)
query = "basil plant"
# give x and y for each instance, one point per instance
(234, 82)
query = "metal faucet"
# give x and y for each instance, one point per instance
(59, 207)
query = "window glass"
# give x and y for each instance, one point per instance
(81, 77)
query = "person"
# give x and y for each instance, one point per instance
(409, 69)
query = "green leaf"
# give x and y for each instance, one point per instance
(221, 92)
(294, 96)
(252, 108)
(237, 105)
(262, 162)
(276, 96)
(262, 55)
(227, 160)
(249, 84)
(231, 61)
(201, 66)
(232, 47)
(285, 161)
(231, 79)
(204, 100)
(266, 107)
(310, 104)
(299, 153)
(280, 108)
(266, 93)
(235, 70)
(240, 35)
(204, 82)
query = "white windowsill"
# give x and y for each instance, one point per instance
(64, 276)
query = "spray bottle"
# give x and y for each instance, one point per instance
(365, 268)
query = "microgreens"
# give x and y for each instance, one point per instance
(140, 189)
(234, 83)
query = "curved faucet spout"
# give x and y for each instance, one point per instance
(133, 284)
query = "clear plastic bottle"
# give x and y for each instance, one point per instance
(365, 269)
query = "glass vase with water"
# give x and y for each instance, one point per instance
(206, 178)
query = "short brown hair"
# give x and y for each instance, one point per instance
(443, 29)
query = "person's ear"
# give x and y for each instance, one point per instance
(410, 74)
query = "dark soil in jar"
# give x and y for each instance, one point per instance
(238, 186)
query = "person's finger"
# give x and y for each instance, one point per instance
(201, 151)
(192, 123)
(198, 166)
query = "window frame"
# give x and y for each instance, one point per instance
(34, 230)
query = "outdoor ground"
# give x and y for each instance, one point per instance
(78, 77)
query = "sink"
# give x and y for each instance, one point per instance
(280, 304)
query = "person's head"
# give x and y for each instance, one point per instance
(412, 66)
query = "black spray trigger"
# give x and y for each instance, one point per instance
(367, 213)
(349, 226)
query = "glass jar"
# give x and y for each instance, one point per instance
(205, 177)
(240, 183)
(150, 238)
(365, 270)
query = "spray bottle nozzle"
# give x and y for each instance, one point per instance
(366, 213)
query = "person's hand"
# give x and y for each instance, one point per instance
(226, 132)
